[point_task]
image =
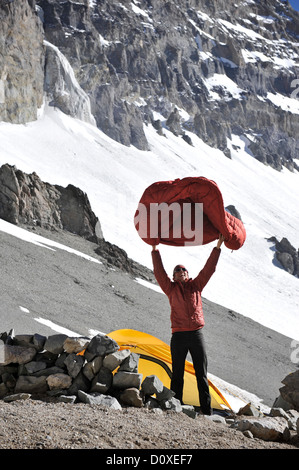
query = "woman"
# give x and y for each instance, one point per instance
(187, 321)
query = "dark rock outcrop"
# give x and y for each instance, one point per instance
(25, 199)
(287, 255)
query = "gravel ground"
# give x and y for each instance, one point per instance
(37, 424)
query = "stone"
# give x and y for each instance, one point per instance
(16, 354)
(131, 397)
(249, 410)
(130, 364)
(151, 402)
(80, 382)
(90, 369)
(102, 381)
(292, 419)
(67, 399)
(75, 345)
(74, 364)
(16, 397)
(216, 418)
(34, 366)
(101, 345)
(99, 399)
(9, 380)
(59, 381)
(152, 385)
(49, 371)
(290, 391)
(113, 360)
(30, 384)
(267, 428)
(124, 380)
(3, 390)
(54, 343)
(166, 394)
(171, 404)
(189, 410)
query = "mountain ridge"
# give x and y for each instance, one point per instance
(212, 68)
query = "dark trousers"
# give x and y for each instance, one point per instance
(181, 343)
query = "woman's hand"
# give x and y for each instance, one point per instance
(220, 241)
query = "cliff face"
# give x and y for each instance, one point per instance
(21, 61)
(216, 68)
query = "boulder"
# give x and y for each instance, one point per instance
(15, 354)
(30, 384)
(124, 380)
(100, 345)
(59, 381)
(113, 360)
(131, 397)
(75, 345)
(267, 428)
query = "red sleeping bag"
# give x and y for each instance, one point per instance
(184, 197)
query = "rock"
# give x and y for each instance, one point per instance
(131, 397)
(80, 382)
(102, 381)
(26, 199)
(166, 394)
(171, 404)
(30, 384)
(54, 343)
(67, 398)
(99, 399)
(113, 360)
(249, 410)
(189, 410)
(59, 381)
(16, 354)
(130, 364)
(34, 366)
(216, 418)
(90, 369)
(293, 417)
(152, 385)
(124, 380)
(150, 402)
(49, 371)
(267, 428)
(290, 391)
(279, 412)
(101, 345)
(74, 364)
(16, 397)
(75, 345)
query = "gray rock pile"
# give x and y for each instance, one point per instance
(96, 371)
(93, 371)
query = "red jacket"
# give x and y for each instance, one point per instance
(185, 298)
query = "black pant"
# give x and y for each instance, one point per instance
(181, 343)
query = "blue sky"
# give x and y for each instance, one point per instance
(295, 4)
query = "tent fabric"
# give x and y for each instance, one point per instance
(155, 359)
(190, 190)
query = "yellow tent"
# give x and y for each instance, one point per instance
(155, 359)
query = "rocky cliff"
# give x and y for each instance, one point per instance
(214, 68)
